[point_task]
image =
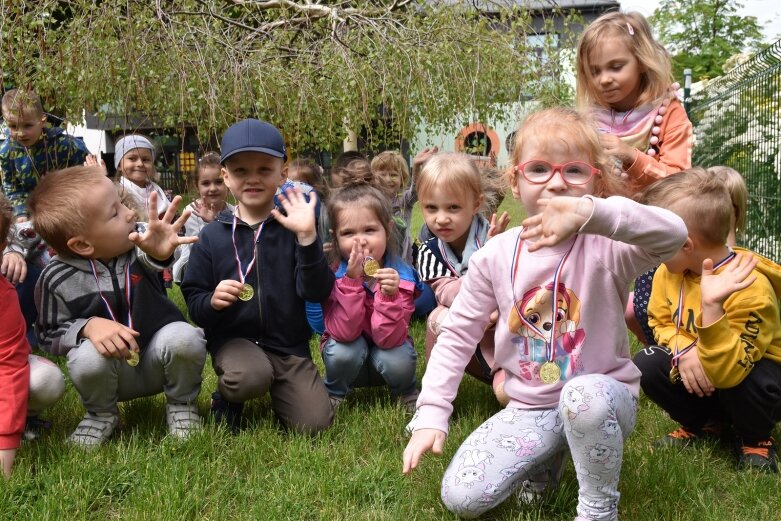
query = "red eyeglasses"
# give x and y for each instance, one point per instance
(574, 173)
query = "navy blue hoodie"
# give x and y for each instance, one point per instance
(284, 276)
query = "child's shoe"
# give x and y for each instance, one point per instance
(409, 401)
(683, 436)
(183, 419)
(94, 429)
(225, 412)
(534, 488)
(761, 455)
(34, 427)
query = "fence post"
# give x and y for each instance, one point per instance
(687, 89)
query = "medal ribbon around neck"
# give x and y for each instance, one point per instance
(103, 298)
(678, 353)
(243, 274)
(443, 251)
(550, 351)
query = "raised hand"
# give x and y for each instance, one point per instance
(299, 216)
(161, 236)
(355, 262)
(497, 226)
(561, 218)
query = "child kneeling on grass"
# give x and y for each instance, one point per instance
(247, 281)
(715, 315)
(102, 305)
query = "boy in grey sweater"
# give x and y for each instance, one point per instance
(102, 304)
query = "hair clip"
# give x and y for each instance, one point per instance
(630, 29)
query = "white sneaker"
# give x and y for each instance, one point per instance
(183, 419)
(94, 429)
(533, 489)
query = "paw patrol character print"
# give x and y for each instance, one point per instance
(472, 467)
(532, 319)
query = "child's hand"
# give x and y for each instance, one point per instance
(14, 267)
(421, 442)
(561, 218)
(492, 318)
(355, 262)
(93, 160)
(111, 339)
(328, 247)
(497, 226)
(615, 147)
(423, 156)
(225, 294)
(161, 237)
(693, 375)
(735, 276)
(388, 278)
(300, 218)
(207, 212)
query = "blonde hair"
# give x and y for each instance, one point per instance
(700, 198)
(363, 196)
(456, 173)
(17, 101)
(392, 161)
(579, 133)
(736, 186)
(633, 31)
(58, 206)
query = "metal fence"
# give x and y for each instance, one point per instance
(737, 123)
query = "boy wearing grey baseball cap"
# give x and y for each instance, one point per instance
(247, 281)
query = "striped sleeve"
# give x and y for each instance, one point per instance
(56, 328)
(429, 266)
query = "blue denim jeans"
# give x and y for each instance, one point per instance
(362, 364)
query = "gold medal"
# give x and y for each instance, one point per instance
(134, 359)
(247, 292)
(550, 373)
(675, 375)
(370, 266)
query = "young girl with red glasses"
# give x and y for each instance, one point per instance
(560, 284)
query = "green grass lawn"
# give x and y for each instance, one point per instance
(352, 471)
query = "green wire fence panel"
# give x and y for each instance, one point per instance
(737, 122)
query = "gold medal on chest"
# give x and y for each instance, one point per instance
(550, 373)
(247, 292)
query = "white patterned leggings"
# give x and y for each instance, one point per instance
(595, 414)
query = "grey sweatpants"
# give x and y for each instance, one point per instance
(172, 362)
(595, 414)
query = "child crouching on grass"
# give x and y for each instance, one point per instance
(715, 315)
(367, 340)
(560, 285)
(102, 305)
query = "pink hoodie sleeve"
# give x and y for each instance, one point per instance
(446, 289)
(345, 310)
(391, 316)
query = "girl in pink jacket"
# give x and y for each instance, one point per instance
(366, 340)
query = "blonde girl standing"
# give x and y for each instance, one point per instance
(624, 79)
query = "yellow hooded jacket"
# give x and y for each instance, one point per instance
(749, 329)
